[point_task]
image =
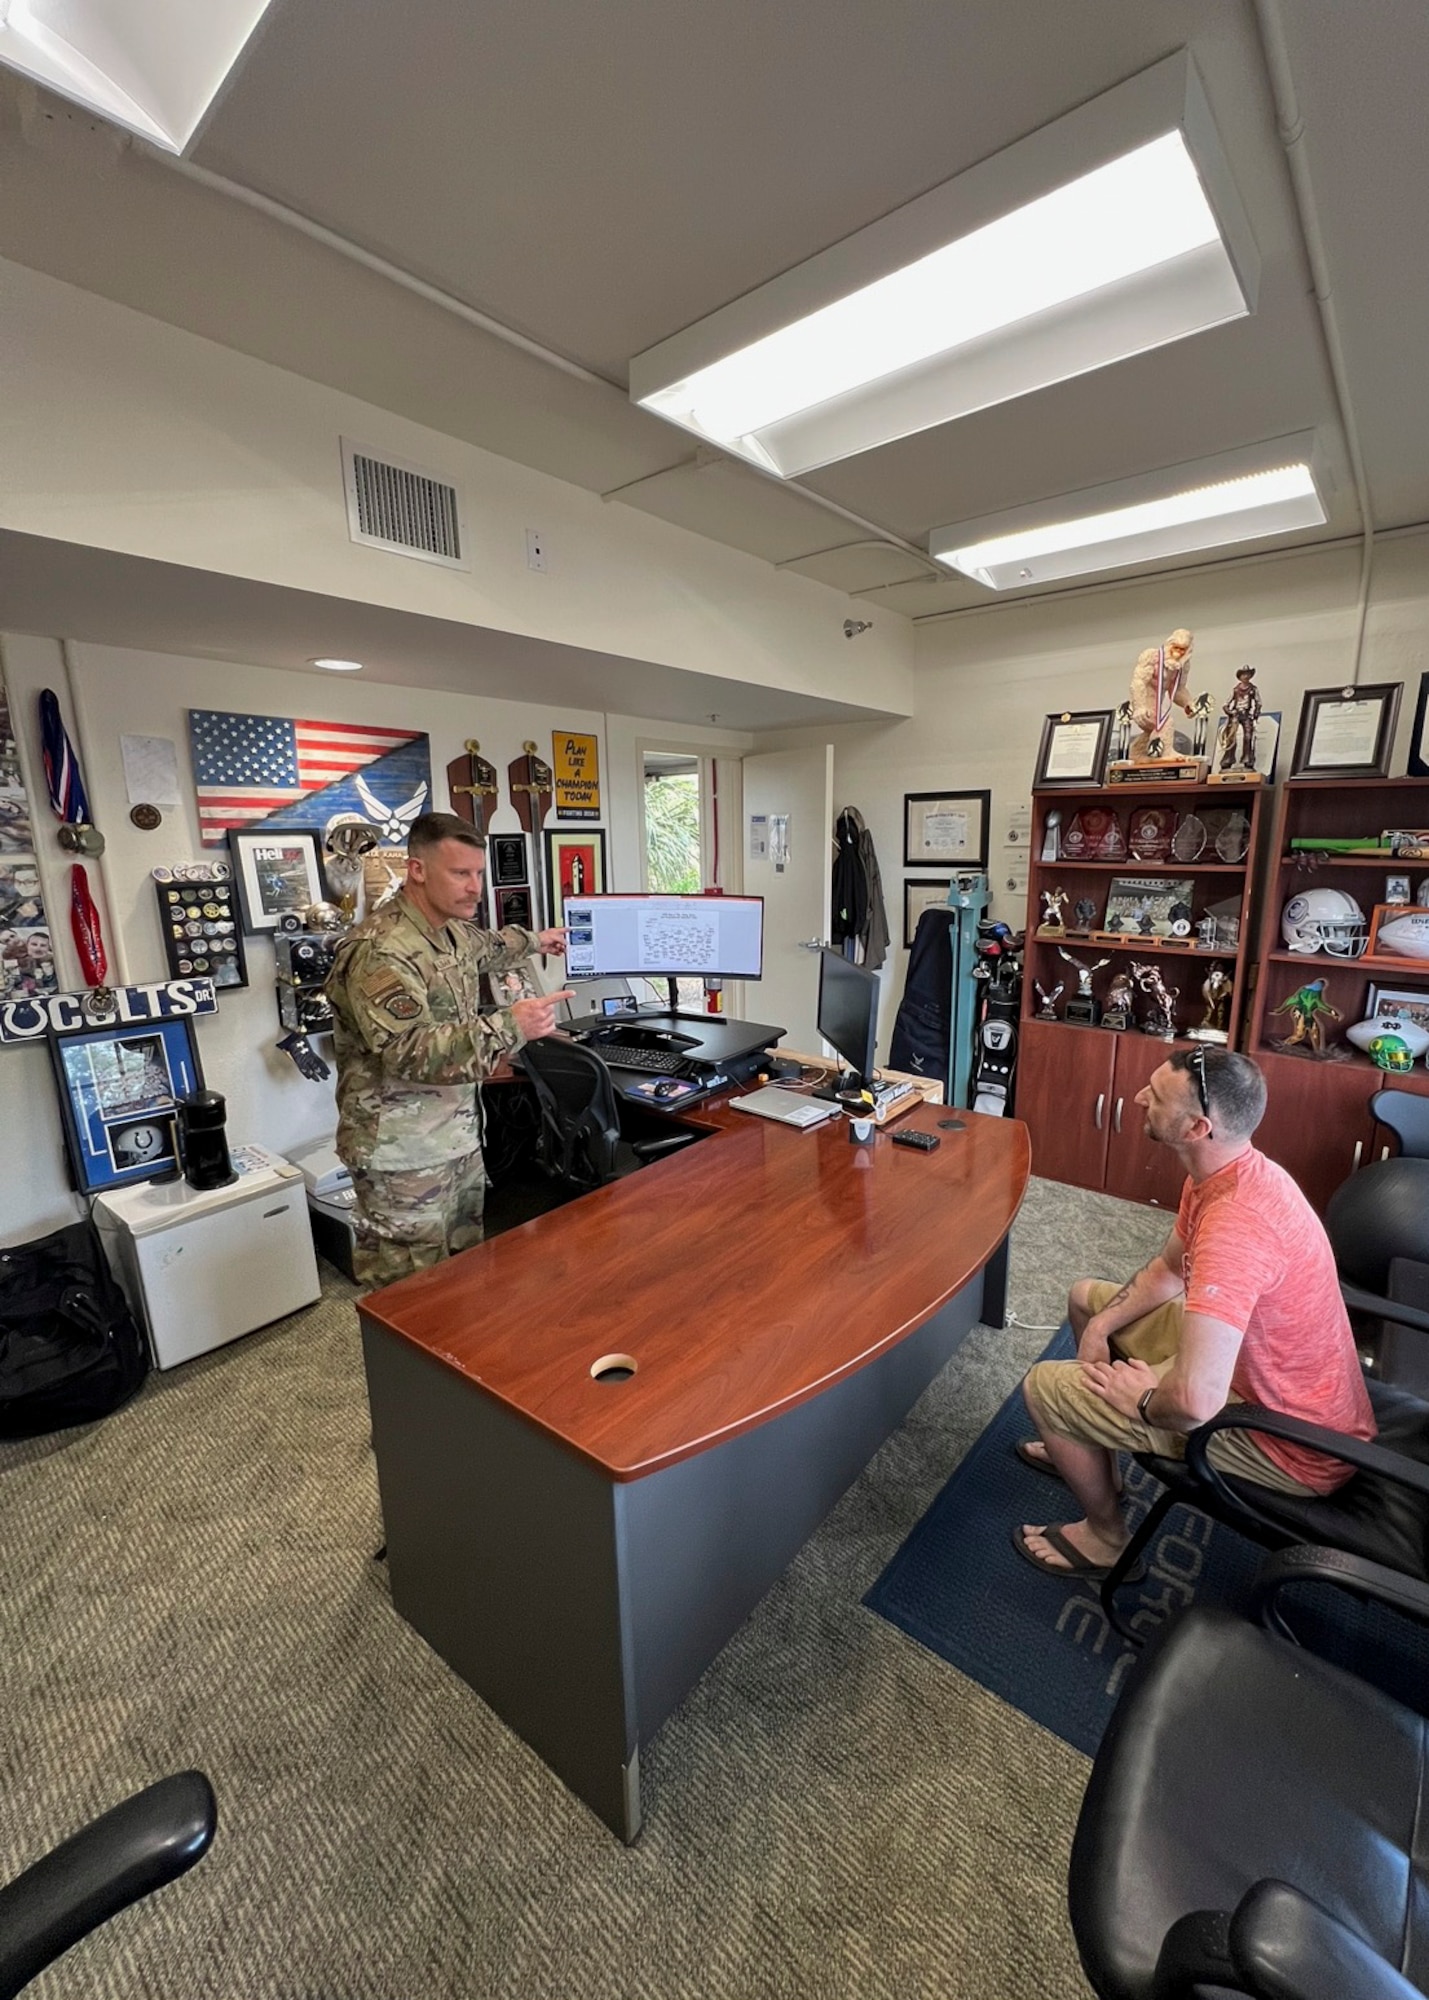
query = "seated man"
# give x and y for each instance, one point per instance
(1241, 1305)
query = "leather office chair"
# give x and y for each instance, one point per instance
(1381, 1513)
(581, 1141)
(1378, 1225)
(138, 1846)
(1252, 1823)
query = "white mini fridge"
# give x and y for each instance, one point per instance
(201, 1269)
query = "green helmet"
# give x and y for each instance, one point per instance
(1391, 1052)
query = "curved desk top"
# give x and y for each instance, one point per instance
(742, 1275)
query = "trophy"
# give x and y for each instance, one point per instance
(1047, 1010)
(1054, 901)
(1216, 992)
(1082, 1006)
(1235, 741)
(1116, 1013)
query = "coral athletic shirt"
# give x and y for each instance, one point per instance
(1258, 1258)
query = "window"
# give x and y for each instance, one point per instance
(673, 805)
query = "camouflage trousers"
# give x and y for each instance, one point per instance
(409, 1220)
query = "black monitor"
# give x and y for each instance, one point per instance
(848, 1012)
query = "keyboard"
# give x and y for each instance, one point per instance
(665, 1062)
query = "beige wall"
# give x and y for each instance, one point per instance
(124, 433)
(107, 692)
(987, 680)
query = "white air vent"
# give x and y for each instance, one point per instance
(402, 509)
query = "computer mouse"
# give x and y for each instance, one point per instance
(669, 1088)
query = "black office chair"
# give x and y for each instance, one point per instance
(1378, 1226)
(1254, 1818)
(1406, 1114)
(138, 1846)
(581, 1142)
(1380, 1514)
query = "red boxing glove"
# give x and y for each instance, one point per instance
(84, 922)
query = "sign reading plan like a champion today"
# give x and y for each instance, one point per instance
(576, 763)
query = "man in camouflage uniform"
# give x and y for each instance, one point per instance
(413, 1041)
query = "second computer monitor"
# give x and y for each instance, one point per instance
(848, 1011)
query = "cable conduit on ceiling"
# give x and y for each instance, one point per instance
(382, 267)
(1290, 125)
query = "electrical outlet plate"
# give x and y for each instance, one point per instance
(538, 553)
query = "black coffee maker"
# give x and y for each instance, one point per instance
(203, 1147)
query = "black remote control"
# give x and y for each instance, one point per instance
(923, 1142)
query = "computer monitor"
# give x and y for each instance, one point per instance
(664, 937)
(848, 1012)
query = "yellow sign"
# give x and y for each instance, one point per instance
(576, 763)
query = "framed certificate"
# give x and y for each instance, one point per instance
(918, 896)
(1073, 748)
(1347, 732)
(945, 829)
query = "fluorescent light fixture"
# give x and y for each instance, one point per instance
(1208, 505)
(338, 666)
(153, 66)
(1114, 230)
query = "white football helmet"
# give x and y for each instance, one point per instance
(1324, 920)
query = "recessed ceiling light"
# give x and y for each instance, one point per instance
(1237, 497)
(338, 666)
(1114, 230)
(146, 65)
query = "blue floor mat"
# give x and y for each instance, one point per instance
(959, 1588)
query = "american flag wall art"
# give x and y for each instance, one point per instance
(249, 768)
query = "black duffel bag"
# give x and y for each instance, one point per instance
(69, 1348)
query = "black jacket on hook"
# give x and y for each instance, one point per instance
(858, 912)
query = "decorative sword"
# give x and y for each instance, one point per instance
(471, 781)
(532, 789)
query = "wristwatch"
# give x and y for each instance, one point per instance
(1142, 1407)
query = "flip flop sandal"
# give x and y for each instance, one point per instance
(1074, 1567)
(1035, 1459)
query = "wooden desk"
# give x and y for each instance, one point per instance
(579, 1550)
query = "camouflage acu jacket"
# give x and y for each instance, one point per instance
(411, 1039)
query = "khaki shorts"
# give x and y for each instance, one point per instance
(1068, 1408)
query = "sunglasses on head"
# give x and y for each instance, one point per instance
(1196, 1064)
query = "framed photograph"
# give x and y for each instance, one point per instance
(1396, 889)
(513, 906)
(508, 859)
(275, 872)
(1152, 906)
(119, 1089)
(920, 896)
(1346, 732)
(1399, 930)
(1390, 1003)
(17, 835)
(1073, 749)
(575, 865)
(945, 829)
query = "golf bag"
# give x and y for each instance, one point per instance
(998, 972)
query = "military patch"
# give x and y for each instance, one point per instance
(402, 1007)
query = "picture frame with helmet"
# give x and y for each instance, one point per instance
(1324, 923)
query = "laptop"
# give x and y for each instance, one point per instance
(788, 1107)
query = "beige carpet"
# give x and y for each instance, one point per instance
(833, 1812)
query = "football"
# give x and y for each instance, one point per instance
(1405, 937)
